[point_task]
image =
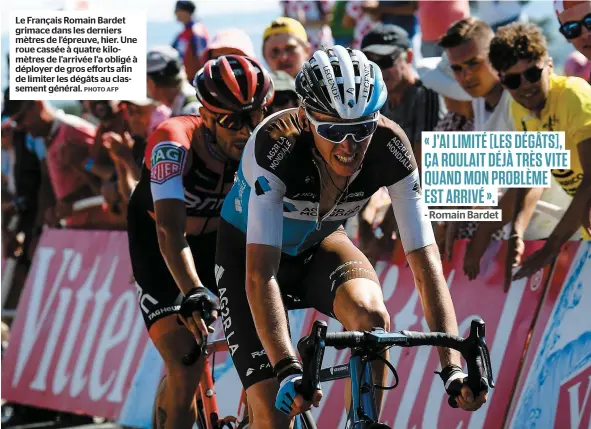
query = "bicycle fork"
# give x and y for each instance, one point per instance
(363, 410)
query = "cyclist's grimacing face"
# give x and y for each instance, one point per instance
(344, 158)
(471, 68)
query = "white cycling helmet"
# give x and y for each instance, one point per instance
(341, 82)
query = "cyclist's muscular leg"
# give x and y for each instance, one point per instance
(175, 402)
(261, 401)
(359, 306)
(343, 284)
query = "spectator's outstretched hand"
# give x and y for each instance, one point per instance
(537, 261)
(119, 146)
(474, 252)
(445, 235)
(515, 249)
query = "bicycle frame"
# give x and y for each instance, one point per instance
(207, 393)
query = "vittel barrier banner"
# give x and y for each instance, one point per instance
(77, 337)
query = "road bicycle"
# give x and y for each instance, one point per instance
(366, 347)
(208, 414)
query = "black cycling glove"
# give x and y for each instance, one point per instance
(199, 299)
(453, 379)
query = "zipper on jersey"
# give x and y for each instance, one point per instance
(320, 220)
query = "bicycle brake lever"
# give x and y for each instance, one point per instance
(311, 349)
(480, 376)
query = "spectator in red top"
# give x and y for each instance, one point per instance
(65, 136)
(435, 17)
(192, 41)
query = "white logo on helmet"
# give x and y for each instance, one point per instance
(366, 80)
(331, 81)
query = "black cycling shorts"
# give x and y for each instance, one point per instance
(310, 279)
(158, 293)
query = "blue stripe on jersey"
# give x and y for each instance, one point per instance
(235, 212)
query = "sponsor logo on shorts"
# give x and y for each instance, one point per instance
(258, 354)
(163, 311)
(167, 161)
(225, 311)
(145, 299)
(249, 371)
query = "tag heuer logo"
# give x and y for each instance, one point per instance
(167, 162)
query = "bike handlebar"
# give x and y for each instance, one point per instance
(473, 348)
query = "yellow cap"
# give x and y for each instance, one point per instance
(286, 25)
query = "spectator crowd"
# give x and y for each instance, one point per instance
(492, 73)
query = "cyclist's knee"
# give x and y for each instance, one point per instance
(368, 318)
(359, 305)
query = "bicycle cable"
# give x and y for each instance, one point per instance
(391, 368)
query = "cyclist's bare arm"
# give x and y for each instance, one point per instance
(171, 218)
(424, 260)
(438, 307)
(170, 225)
(264, 298)
(571, 221)
(263, 253)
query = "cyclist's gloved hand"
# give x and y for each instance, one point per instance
(199, 309)
(460, 394)
(289, 401)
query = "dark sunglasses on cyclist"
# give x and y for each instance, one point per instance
(573, 29)
(513, 80)
(237, 121)
(337, 132)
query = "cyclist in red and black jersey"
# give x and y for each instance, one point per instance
(173, 216)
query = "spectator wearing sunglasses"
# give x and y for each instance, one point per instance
(285, 92)
(174, 214)
(574, 18)
(286, 46)
(544, 101)
(410, 104)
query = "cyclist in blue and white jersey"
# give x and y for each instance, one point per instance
(304, 171)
